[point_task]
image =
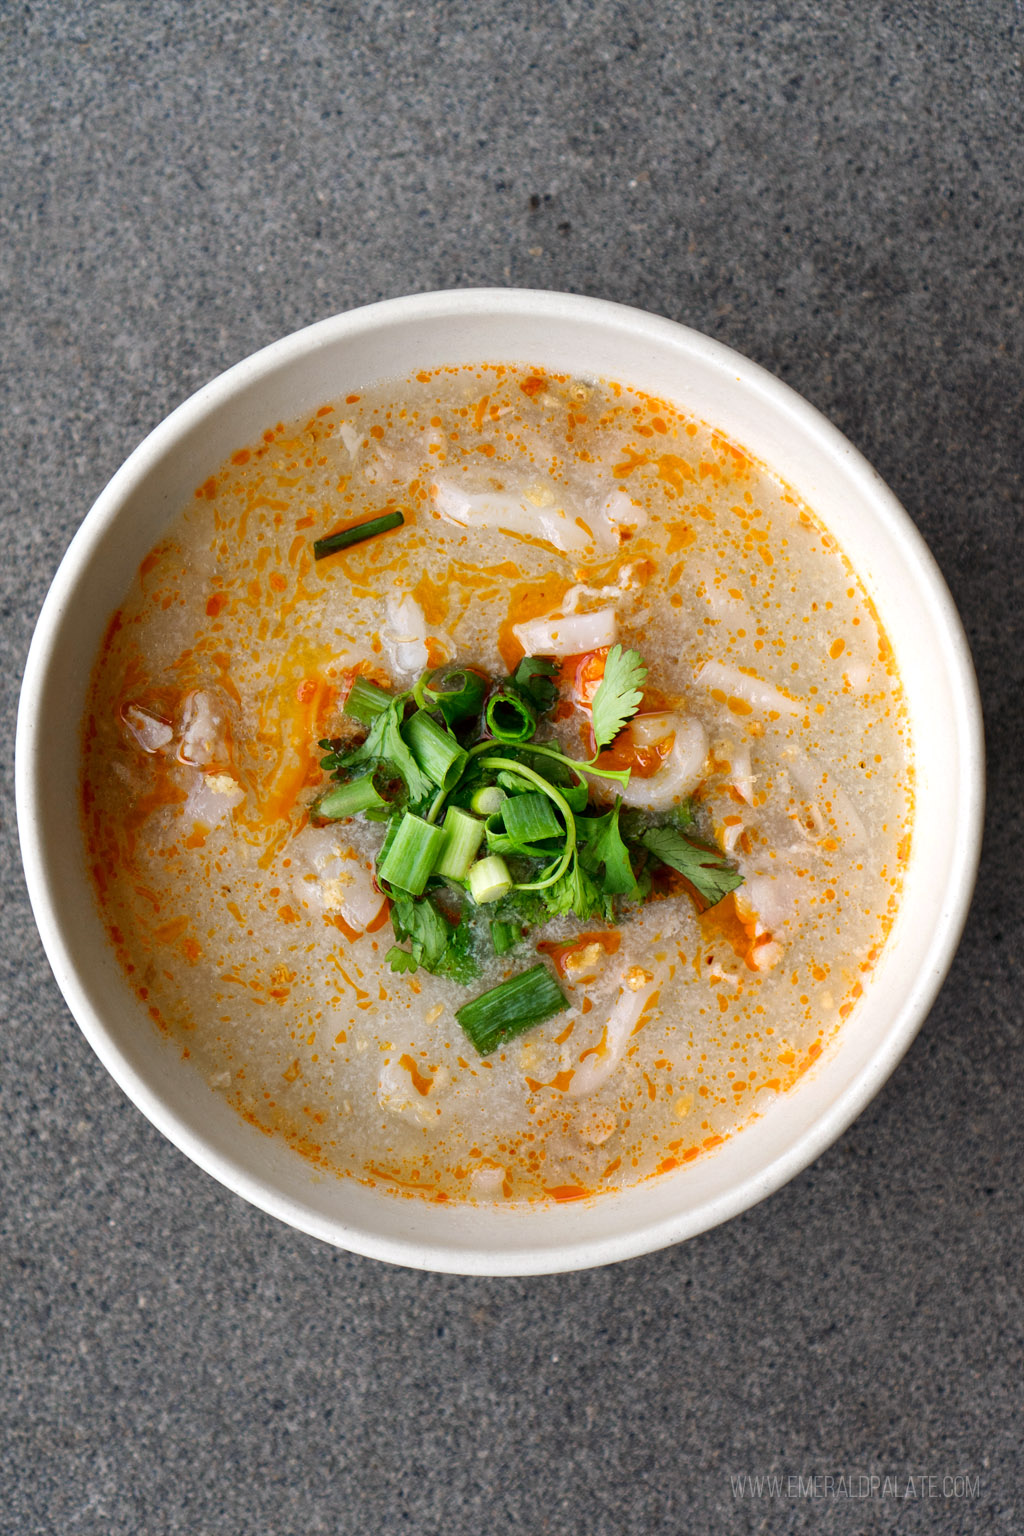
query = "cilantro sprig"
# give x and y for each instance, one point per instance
(496, 831)
(707, 869)
(618, 695)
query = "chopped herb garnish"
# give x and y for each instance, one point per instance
(502, 825)
(489, 879)
(409, 862)
(428, 930)
(618, 695)
(577, 892)
(435, 749)
(458, 692)
(365, 701)
(463, 835)
(400, 960)
(706, 868)
(357, 534)
(535, 677)
(511, 1008)
(529, 818)
(505, 936)
(386, 743)
(487, 800)
(373, 791)
(509, 715)
(604, 854)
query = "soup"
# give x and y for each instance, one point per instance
(694, 907)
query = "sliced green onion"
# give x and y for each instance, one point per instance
(409, 861)
(529, 818)
(505, 936)
(463, 835)
(356, 534)
(435, 749)
(457, 692)
(558, 869)
(511, 1008)
(365, 701)
(498, 840)
(489, 879)
(510, 718)
(368, 793)
(487, 800)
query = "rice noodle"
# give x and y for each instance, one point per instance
(534, 514)
(827, 797)
(351, 438)
(770, 899)
(577, 594)
(752, 690)
(742, 775)
(598, 1064)
(567, 634)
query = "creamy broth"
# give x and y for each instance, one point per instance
(257, 940)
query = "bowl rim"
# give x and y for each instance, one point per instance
(967, 832)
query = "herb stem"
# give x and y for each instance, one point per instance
(558, 869)
(619, 775)
(357, 534)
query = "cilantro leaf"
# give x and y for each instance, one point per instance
(424, 925)
(533, 676)
(604, 855)
(707, 869)
(577, 892)
(459, 962)
(400, 960)
(618, 695)
(385, 741)
(444, 948)
(526, 908)
(633, 822)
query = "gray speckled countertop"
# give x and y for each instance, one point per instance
(835, 189)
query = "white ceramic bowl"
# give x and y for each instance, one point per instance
(565, 334)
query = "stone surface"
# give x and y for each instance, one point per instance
(833, 188)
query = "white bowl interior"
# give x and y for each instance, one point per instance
(568, 335)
